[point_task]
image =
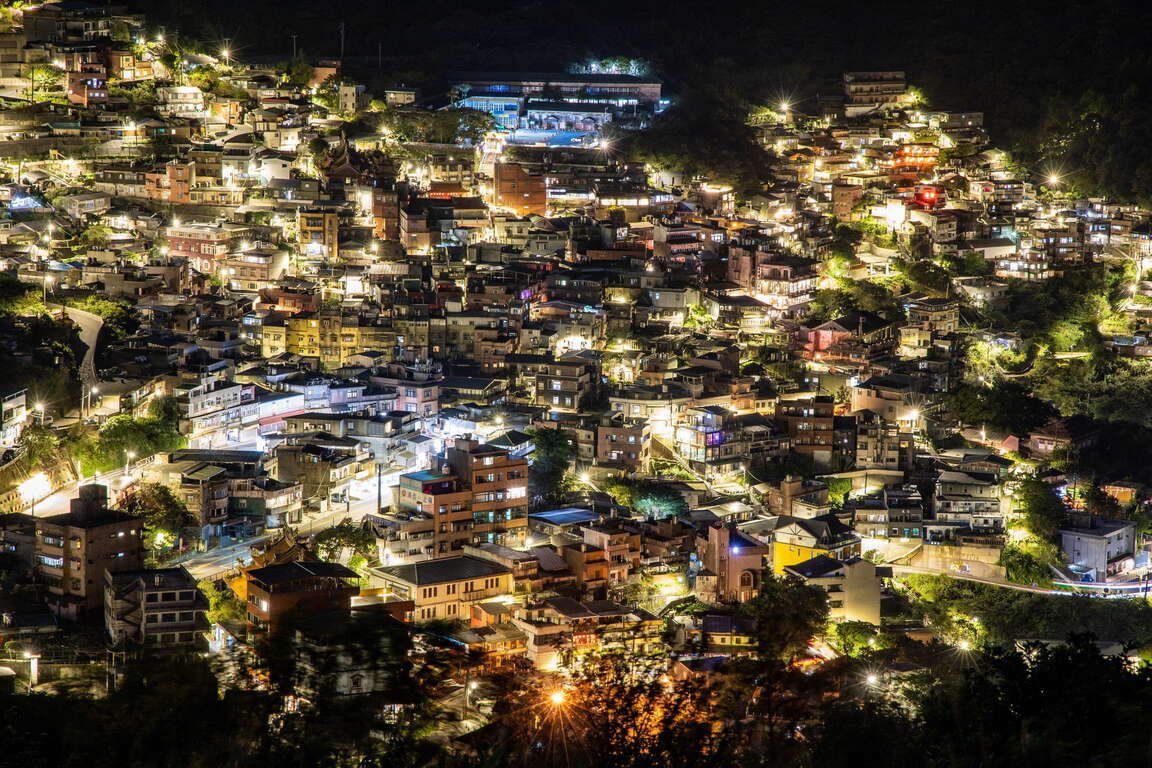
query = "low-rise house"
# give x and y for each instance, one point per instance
(446, 588)
(1101, 548)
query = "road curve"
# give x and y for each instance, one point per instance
(90, 326)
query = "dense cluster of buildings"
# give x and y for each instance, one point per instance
(355, 327)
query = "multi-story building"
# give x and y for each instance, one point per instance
(88, 86)
(853, 586)
(154, 608)
(499, 488)
(444, 497)
(895, 513)
(623, 441)
(288, 590)
(124, 65)
(445, 588)
(519, 190)
(810, 424)
(257, 267)
(204, 244)
(74, 550)
(870, 91)
(566, 383)
(330, 335)
(968, 500)
(734, 564)
(319, 232)
(797, 539)
(322, 464)
(711, 439)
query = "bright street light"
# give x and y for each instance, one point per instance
(34, 488)
(872, 679)
(557, 697)
(964, 645)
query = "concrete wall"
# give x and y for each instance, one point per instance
(973, 559)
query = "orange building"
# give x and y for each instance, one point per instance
(519, 190)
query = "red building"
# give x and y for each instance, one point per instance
(278, 591)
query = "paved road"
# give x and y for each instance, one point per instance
(219, 560)
(90, 326)
(905, 569)
(59, 502)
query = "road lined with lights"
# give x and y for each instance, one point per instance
(1061, 588)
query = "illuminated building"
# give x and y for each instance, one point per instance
(73, 550)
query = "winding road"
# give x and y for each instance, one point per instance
(90, 326)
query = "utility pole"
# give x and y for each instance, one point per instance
(379, 57)
(293, 46)
(341, 40)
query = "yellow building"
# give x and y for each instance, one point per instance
(319, 233)
(328, 334)
(446, 588)
(798, 539)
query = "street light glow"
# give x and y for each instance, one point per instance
(557, 697)
(872, 679)
(35, 487)
(964, 645)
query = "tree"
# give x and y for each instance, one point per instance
(297, 71)
(96, 236)
(164, 515)
(223, 605)
(42, 77)
(787, 613)
(355, 539)
(551, 460)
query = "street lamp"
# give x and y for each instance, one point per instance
(47, 286)
(33, 489)
(557, 697)
(33, 669)
(128, 456)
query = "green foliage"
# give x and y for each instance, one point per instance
(118, 315)
(551, 460)
(223, 605)
(787, 614)
(1040, 509)
(1009, 615)
(96, 236)
(838, 489)
(1007, 406)
(442, 126)
(832, 303)
(854, 638)
(164, 516)
(108, 449)
(354, 538)
(1027, 562)
(706, 137)
(42, 77)
(297, 71)
(652, 498)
